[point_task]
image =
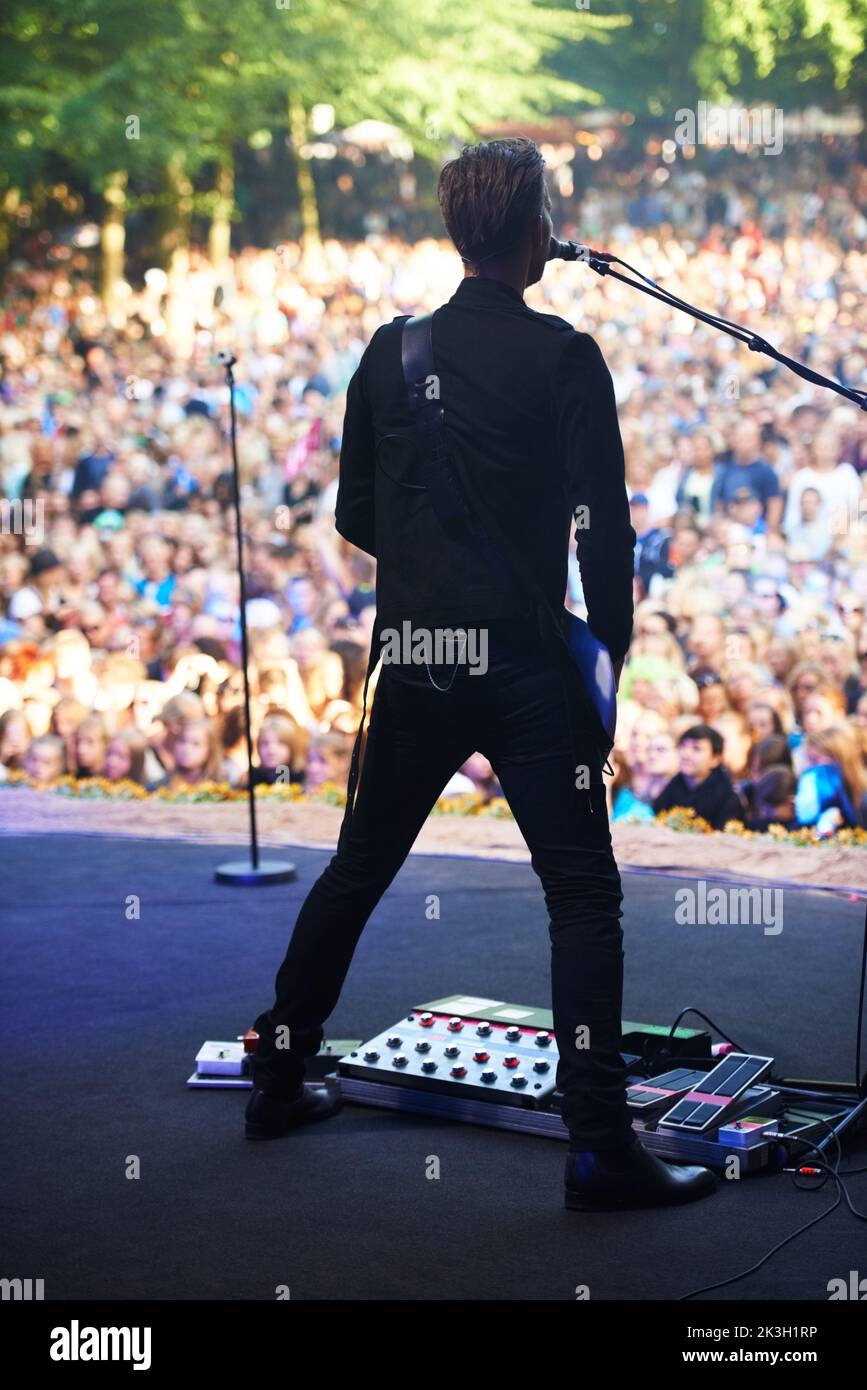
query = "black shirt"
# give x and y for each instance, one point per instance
(532, 431)
(714, 799)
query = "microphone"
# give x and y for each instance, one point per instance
(576, 251)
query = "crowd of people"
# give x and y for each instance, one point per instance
(744, 695)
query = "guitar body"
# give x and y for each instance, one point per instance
(597, 672)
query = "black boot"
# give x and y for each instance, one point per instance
(270, 1117)
(631, 1176)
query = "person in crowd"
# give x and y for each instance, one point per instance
(644, 729)
(181, 710)
(42, 596)
(837, 657)
(14, 739)
(233, 739)
(66, 717)
(125, 757)
(743, 681)
(809, 535)
(482, 776)
(831, 789)
(45, 760)
(736, 742)
(652, 545)
(706, 642)
(773, 800)
(712, 697)
(91, 745)
(763, 721)
(772, 751)
(856, 687)
(158, 579)
(197, 755)
(822, 708)
(661, 764)
(746, 509)
(805, 680)
(697, 482)
(321, 669)
(282, 752)
(781, 657)
(75, 677)
(623, 804)
(837, 484)
(702, 785)
(303, 602)
(328, 760)
(745, 468)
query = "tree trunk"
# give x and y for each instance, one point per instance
(113, 236)
(311, 240)
(8, 219)
(175, 241)
(220, 235)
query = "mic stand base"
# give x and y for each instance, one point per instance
(243, 873)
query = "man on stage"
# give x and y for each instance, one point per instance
(534, 443)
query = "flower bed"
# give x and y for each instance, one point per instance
(679, 818)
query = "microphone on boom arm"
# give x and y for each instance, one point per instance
(576, 251)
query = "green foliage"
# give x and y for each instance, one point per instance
(801, 51)
(644, 67)
(200, 77)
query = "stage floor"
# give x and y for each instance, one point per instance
(104, 1011)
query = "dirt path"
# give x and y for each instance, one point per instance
(24, 811)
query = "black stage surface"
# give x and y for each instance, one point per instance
(103, 1017)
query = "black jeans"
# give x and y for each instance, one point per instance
(527, 713)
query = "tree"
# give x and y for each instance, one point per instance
(128, 101)
(799, 49)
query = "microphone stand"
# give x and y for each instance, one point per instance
(601, 262)
(242, 871)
